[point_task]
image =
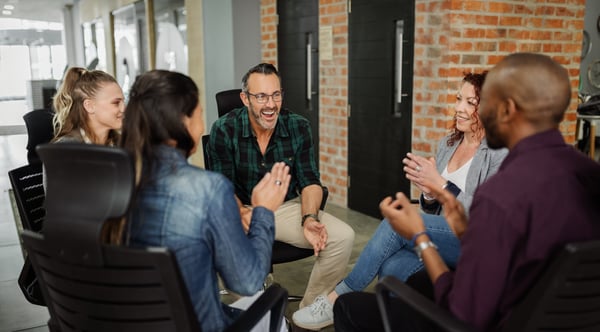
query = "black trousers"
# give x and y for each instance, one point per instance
(358, 311)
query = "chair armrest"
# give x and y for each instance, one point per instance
(274, 298)
(431, 311)
(324, 199)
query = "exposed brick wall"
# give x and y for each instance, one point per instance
(268, 30)
(333, 90)
(333, 108)
(451, 37)
(455, 36)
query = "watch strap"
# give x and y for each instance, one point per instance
(309, 215)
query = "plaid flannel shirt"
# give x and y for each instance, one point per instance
(234, 152)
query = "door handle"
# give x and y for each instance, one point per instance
(309, 66)
(398, 58)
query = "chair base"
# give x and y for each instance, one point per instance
(294, 298)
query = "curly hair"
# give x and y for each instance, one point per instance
(477, 81)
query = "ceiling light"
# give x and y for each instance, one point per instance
(6, 12)
(9, 7)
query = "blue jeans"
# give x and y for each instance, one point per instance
(388, 253)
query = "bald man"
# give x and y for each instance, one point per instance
(545, 195)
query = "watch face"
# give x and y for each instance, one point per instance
(594, 73)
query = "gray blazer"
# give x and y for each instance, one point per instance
(486, 162)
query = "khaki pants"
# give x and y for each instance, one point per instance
(330, 266)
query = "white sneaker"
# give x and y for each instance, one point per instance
(315, 316)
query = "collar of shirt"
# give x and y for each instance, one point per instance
(544, 140)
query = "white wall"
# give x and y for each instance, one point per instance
(231, 46)
(246, 37)
(218, 53)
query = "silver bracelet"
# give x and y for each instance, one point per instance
(422, 246)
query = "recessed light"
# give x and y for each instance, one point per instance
(9, 7)
(6, 12)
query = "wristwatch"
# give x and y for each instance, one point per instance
(422, 246)
(310, 215)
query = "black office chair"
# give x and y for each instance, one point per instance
(28, 188)
(39, 131)
(228, 100)
(566, 297)
(93, 286)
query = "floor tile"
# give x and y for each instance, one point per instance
(11, 260)
(15, 312)
(43, 328)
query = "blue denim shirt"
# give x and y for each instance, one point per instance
(193, 213)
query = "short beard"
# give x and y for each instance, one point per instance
(256, 115)
(493, 137)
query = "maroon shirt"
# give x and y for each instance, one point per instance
(544, 195)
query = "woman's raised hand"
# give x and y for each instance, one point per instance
(422, 172)
(272, 188)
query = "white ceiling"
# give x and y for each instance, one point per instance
(41, 10)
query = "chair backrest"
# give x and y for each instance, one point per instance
(130, 290)
(566, 297)
(205, 140)
(39, 131)
(89, 285)
(92, 286)
(228, 100)
(28, 189)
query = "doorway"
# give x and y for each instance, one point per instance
(381, 44)
(298, 59)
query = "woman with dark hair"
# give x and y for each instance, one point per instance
(88, 108)
(192, 211)
(463, 162)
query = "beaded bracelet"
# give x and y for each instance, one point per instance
(414, 238)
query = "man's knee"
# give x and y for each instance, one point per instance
(340, 234)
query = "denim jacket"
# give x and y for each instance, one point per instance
(193, 213)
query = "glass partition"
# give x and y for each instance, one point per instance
(130, 44)
(94, 43)
(171, 35)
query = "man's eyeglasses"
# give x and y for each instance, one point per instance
(263, 98)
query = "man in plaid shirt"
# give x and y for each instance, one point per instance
(244, 145)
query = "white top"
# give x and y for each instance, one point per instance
(458, 177)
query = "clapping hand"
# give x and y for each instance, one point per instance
(404, 218)
(272, 188)
(422, 172)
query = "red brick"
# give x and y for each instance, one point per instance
(451, 37)
(499, 7)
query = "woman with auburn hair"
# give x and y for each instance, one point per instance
(462, 163)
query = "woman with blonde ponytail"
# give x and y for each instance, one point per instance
(89, 108)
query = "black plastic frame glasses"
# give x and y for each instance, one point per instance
(263, 98)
